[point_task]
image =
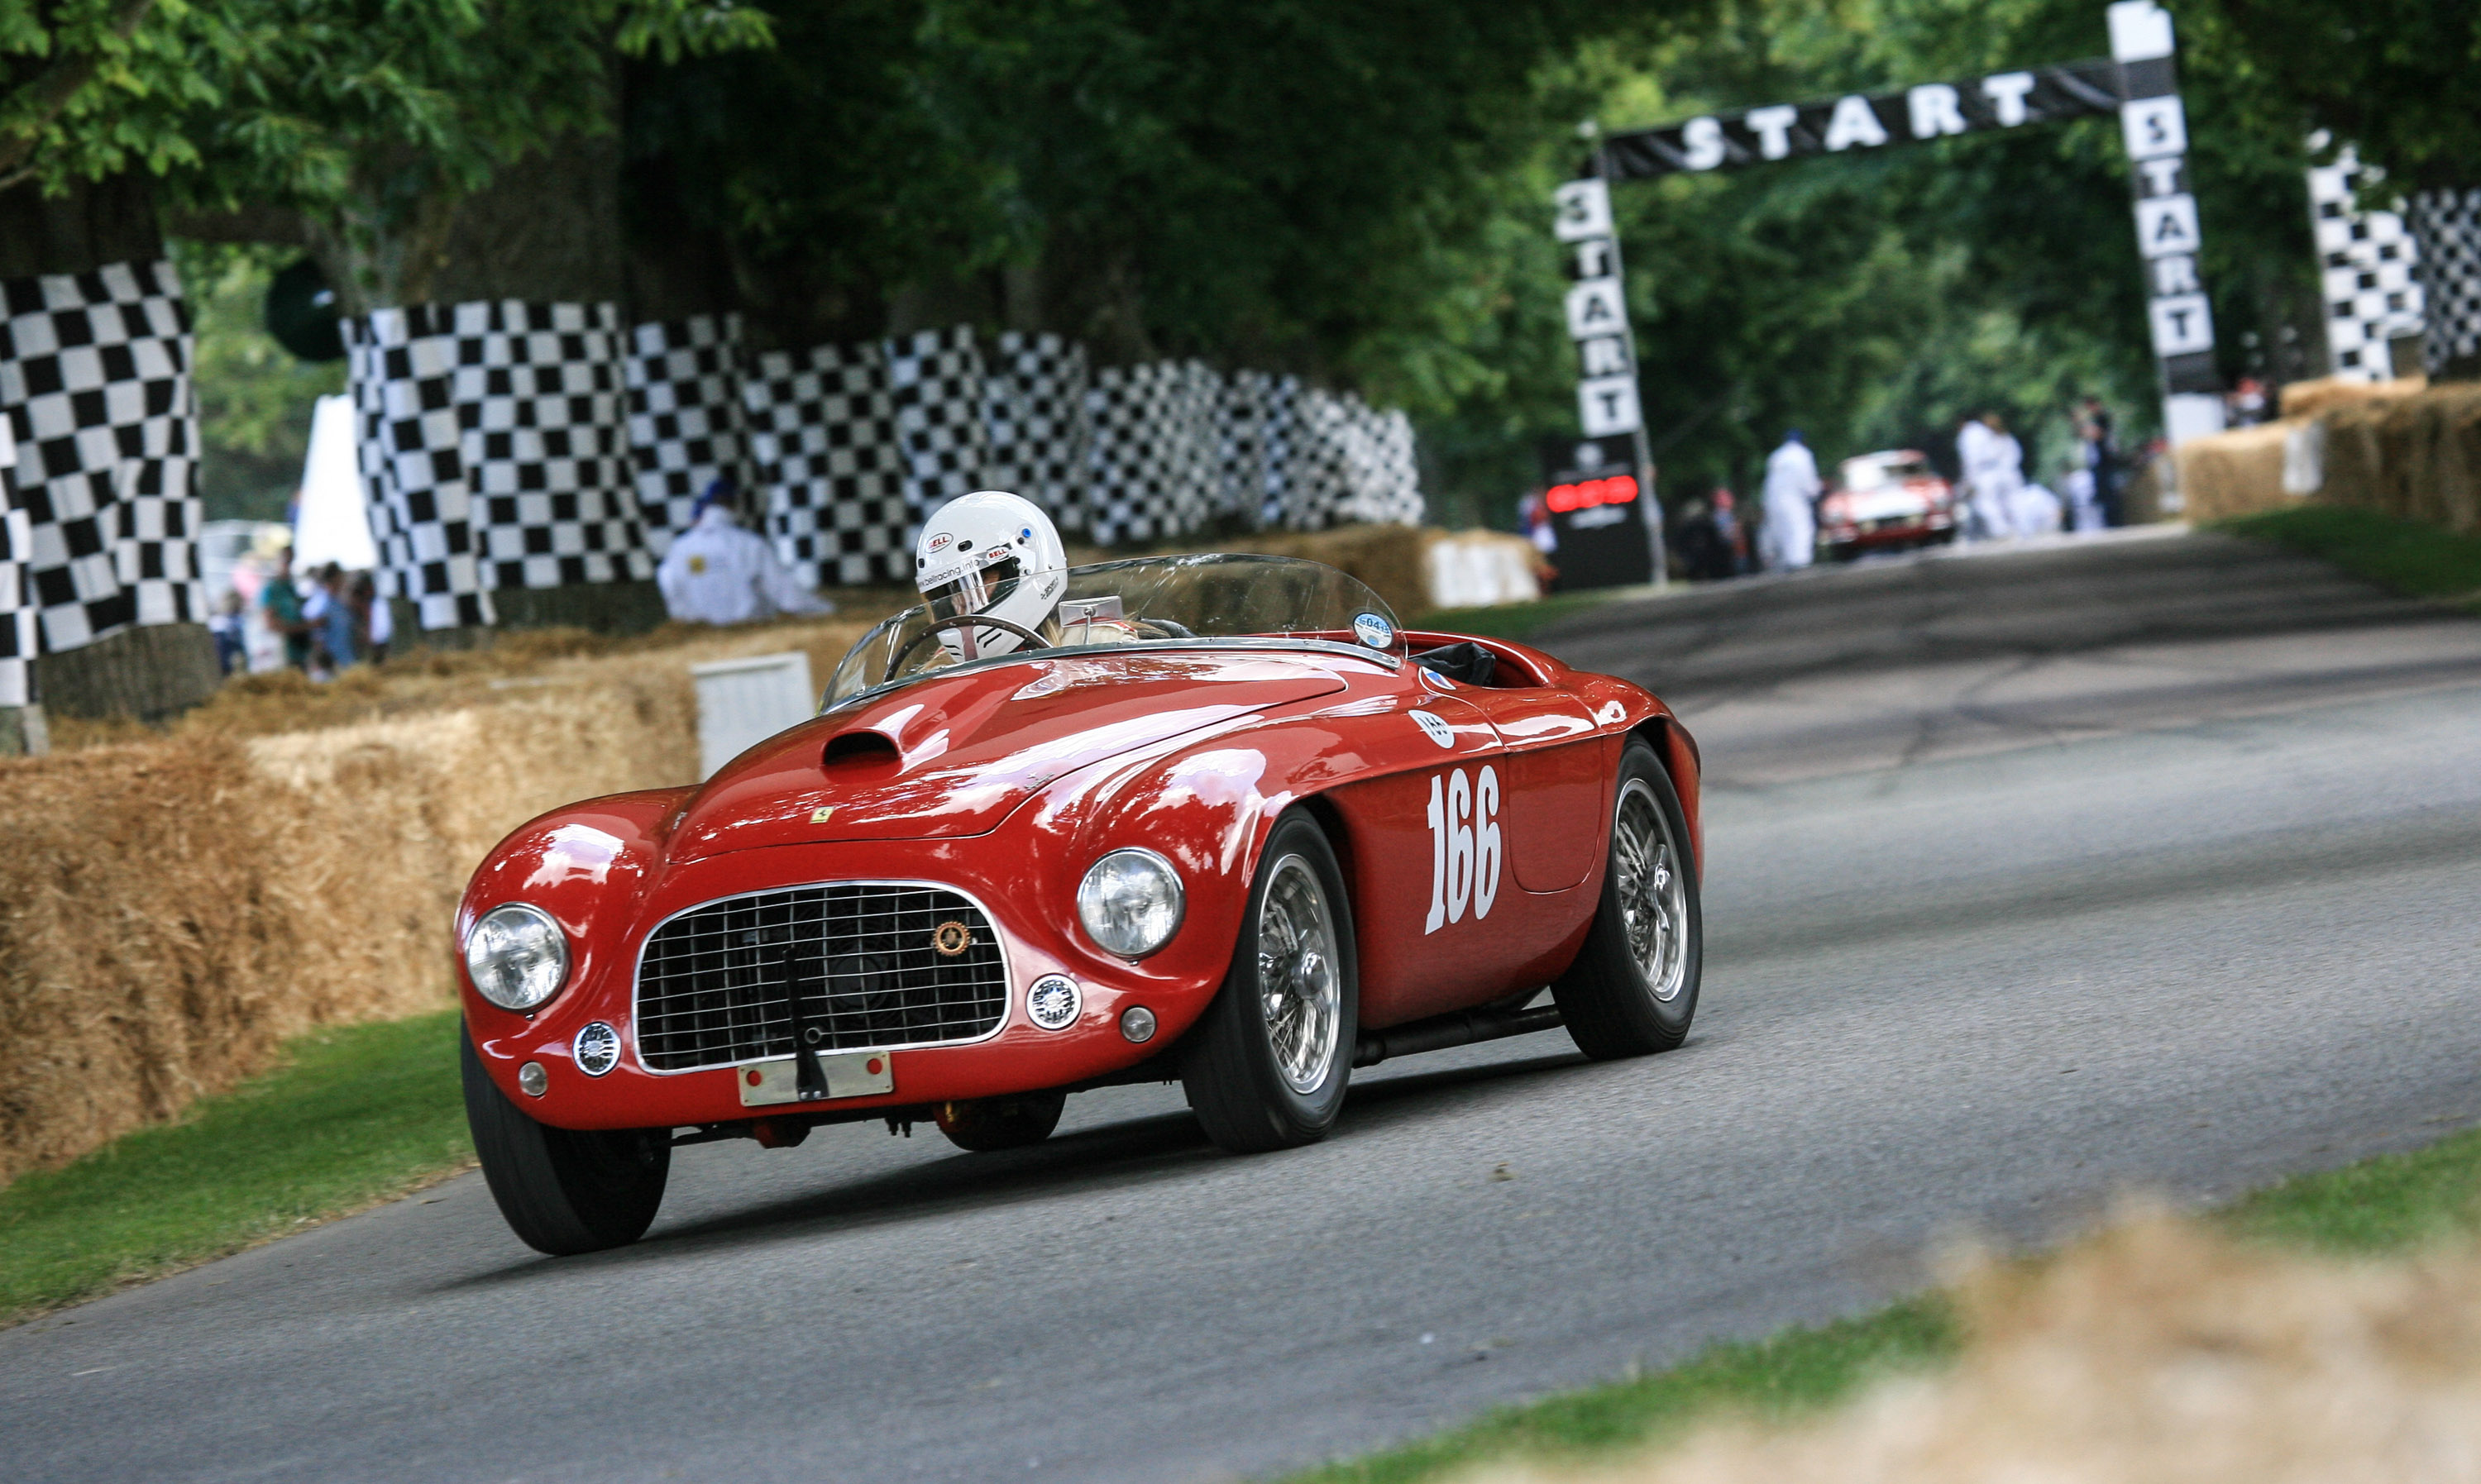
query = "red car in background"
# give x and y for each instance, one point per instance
(1228, 825)
(1886, 501)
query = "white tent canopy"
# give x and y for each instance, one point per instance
(332, 524)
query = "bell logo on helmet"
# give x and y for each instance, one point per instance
(937, 545)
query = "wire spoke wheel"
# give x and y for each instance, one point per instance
(1298, 991)
(1633, 987)
(1653, 896)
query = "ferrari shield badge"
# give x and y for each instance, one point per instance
(1373, 630)
(822, 816)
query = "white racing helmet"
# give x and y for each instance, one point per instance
(993, 553)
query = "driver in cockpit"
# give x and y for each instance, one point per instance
(995, 557)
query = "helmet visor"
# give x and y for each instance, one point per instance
(975, 592)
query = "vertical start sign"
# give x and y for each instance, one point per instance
(1605, 539)
(1596, 307)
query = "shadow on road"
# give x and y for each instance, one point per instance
(1133, 1154)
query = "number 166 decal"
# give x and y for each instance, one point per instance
(1465, 852)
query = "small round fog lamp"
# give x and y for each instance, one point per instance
(597, 1048)
(1053, 1002)
(532, 1079)
(1138, 1024)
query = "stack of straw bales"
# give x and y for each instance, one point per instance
(2415, 456)
(2403, 447)
(2157, 1353)
(2235, 473)
(173, 909)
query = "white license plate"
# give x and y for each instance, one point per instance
(849, 1074)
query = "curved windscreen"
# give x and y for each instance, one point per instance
(1149, 600)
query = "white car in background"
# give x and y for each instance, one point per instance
(1882, 501)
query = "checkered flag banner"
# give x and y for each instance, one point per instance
(1033, 423)
(494, 445)
(16, 614)
(402, 365)
(1153, 466)
(830, 464)
(1383, 479)
(2447, 224)
(935, 381)
(94, 378)
(2365, 262)
(538, 390)
(685, 417)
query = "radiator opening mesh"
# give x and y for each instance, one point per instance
(867, 960)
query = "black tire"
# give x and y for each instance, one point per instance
(1610, 1004)
(562, 1192)
(988, 1124)
(1232, 1072)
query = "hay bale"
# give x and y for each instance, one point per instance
(2235, 473)
(173, 909)
(2157, 1351)
(2307, 399)
(2416, 457)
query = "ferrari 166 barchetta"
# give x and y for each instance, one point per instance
(1218, 821)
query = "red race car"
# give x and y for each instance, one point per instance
(1892, 499)
(1224, 822)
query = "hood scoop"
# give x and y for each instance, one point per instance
(947, 758)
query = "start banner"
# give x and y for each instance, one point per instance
(1783, 131)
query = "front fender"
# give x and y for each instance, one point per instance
(590, 864)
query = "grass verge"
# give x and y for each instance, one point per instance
(349, 1117)
(2410, 557)
(2376, 1206)
(1511, 620)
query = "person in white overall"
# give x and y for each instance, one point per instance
(719, 573)
(1790, 540)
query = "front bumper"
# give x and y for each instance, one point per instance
(1176, 984)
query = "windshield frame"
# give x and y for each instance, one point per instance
(1387, 658)
(1327, 617)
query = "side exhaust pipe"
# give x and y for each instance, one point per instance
(1464, 1028)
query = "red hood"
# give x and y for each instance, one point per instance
(948, 757)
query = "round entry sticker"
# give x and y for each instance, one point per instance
(1373, 631)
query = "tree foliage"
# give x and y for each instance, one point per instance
(1351, 188)
(2400, 80)
(310, 102)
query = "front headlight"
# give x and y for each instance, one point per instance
(1130, 903)
(517, 955)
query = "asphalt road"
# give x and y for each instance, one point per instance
(2034, 877)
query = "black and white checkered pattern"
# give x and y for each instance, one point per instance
(16, 615)
(538, 390)
(2365, 261)
(685, 417)
(937, 383)
(1033, 423)
(829, 463)
(94, 377)
(402, 364)
(1241, 484)
(1318, 469)
(2449, 227)
(495, 444)
(1385, 477)
(1154, 466)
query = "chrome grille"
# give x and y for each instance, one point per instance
(717, 983)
